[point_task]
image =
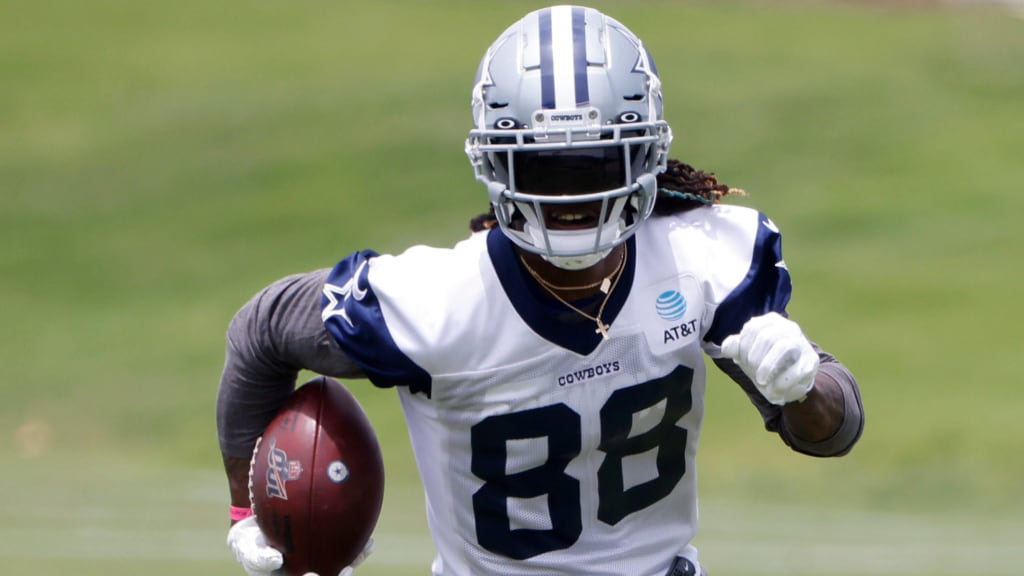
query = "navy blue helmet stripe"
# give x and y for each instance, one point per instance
(579, 61)
(547, 63)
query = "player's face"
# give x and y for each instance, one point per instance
(570, 173)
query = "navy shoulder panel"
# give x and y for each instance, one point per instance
(352, 314)
(766, 287)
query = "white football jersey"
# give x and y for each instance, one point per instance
(544, 448)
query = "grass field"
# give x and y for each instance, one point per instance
(159, 162)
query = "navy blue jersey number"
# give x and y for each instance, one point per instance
(559, 427)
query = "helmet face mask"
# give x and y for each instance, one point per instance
(568, 135)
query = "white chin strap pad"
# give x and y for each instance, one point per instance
(569, 241)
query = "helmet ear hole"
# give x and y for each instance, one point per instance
(628, 118)
(506, 123)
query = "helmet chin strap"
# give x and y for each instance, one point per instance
(574, 241)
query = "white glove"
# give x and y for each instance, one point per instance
(259, 559)
(251, 549)
(775, 354)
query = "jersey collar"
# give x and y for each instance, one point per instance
(549, 318)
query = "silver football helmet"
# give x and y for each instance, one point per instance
(568, 133)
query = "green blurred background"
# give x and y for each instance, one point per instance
(162, 161)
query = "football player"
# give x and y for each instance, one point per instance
(551, 365)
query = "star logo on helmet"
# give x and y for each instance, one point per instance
(644, 63)
(485, 77)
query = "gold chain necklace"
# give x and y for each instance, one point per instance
(604, 283)
(607, 287)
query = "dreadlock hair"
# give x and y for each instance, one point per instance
(681, 187)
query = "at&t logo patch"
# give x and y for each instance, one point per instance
(671, 305)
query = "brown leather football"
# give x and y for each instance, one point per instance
(316, 481)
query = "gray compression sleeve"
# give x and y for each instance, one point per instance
(272, 337)
(853, 421)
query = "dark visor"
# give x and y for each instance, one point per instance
(560, 172)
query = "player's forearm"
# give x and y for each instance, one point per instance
(819, 416)
(830, 420)
(828, 423)
(237, 470)
(257, 377)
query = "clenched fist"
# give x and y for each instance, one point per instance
(773, 351)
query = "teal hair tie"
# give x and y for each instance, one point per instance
(685, 196)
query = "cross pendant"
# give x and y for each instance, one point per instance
(602, 329)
